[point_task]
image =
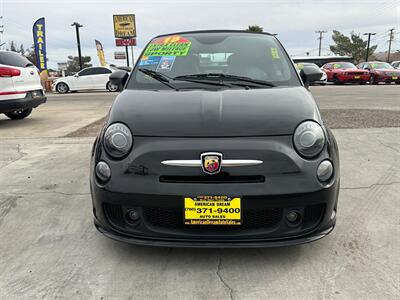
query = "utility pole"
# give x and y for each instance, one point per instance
(391, 38)
(369, 40)
(320, 40)
(78, 41)
(1, 30)
(127, 55)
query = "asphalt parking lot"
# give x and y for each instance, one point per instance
(50, 249)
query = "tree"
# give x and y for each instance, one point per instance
(353, 46)
(255, 28)
(13, 46)
(31, 55)
(73, 63)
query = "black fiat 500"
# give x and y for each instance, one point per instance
(215, 141)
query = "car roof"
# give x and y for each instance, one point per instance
(340, 62)
(215, 31)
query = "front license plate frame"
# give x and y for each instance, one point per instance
(212, 210)
(357, 77)
(395, 77)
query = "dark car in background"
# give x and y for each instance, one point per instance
(345, 72)
(381, 72)
(396, 64)
(215, 142)
(322, 81)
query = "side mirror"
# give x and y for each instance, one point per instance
(76, 75)
(310, 74)
(119, 78)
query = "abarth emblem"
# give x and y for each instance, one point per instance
(211, 162)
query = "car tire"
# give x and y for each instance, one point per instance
(62, 88)
(336, 80)
(19, 114)
(112, 87)
(372, 80)
(363, 83)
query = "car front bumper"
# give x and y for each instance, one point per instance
(353, 78)
(156, 192)
(30, 101)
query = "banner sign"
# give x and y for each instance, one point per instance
(174, 45)
(119, 55)
(125, 42)
(100, 53)
(124, 26)
(39, 42)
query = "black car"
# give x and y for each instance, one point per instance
(215, 141)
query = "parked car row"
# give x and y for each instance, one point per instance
(373, 72)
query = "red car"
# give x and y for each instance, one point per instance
(345, 72)
(381, 72)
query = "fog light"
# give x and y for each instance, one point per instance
(293, 216)
(133, 215)
(103, 171)
(325, 170)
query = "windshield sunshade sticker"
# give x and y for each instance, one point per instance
(168, 46)
(149, 60)
(166, 63)
(275, 53)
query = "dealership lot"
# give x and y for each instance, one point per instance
(51, 249)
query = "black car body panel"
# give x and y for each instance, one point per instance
(215, 113)
(241, 124)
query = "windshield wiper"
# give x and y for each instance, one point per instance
(226, 76)
(159, 77)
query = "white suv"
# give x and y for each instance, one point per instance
(20, 88)
(92, 78)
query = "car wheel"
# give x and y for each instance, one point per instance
(372, 80)
(336, 80)
(112, 87)
(19, 114)
(62, 88)
(362, 83)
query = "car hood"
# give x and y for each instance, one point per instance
(351, 70)
(203, 113)
(388, 70)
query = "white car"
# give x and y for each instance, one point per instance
(20, 88)
(92, 78)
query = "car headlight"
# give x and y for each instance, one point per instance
(309, 139)
(118, 140)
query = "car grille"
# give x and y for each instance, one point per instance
(172, 218)
(355, 73)
(251, 219)
(212, 179)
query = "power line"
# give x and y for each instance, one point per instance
(369, 41)
(320, 40)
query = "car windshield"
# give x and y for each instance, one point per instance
(215, 60)
(381, 65)
(344, 65)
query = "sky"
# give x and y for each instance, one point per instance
(294, 21)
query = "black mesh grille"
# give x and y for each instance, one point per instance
(114, 213)
(251, 219)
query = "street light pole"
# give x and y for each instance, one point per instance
(78, 41)
(369, 40)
